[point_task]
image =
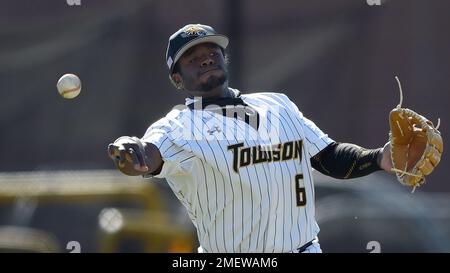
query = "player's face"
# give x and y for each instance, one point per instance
(202, 68)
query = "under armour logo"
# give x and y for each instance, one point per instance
(215, 128)
(73, 2)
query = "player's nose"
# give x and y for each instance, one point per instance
(207, 61)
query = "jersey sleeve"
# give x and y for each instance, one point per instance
(315, 139)
(161, 134)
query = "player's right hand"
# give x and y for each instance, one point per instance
(128, 154)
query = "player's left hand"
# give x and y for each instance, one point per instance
(386, 161)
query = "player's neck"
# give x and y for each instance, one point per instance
(219, 92)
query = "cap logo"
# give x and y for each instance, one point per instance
(193, 31)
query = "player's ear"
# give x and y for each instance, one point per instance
(176, 80)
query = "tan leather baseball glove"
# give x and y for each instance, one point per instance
(416, 145)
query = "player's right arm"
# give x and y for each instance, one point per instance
(132, 156)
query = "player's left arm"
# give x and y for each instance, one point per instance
(339, 160)
(345, 160)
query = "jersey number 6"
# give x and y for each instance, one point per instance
(300, 193)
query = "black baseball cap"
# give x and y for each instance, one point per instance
(189, 36)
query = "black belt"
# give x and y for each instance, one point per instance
(305, 246)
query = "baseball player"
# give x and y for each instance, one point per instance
(241, 164)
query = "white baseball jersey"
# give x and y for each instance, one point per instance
(245, 189)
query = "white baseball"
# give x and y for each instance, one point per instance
(69, 86)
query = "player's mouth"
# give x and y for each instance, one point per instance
(209, 70)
